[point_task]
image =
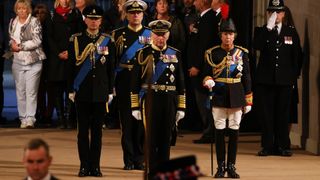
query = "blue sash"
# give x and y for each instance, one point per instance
(131, 51)
(160, 67)
(86, 66)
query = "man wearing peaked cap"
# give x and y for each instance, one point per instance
(277, 72)
(90, 86)
(128, 40)
(92, 11)
(165, 95)
(135, 5)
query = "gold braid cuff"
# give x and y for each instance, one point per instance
(134, 100)
(249, 98)
(182, 101)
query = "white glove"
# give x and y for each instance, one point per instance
(246, 109)
(179, 116)
(272, 21)
(71, 96)
(209, 83)
(136, 114)
(110, 98)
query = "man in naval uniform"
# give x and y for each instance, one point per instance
(128, 40)
(227, 73)
(90, 83)
(276, 73)
(158, 68)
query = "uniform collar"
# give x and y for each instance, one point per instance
(204, 12)
(157, 48)
(135, 30)
(47, 177)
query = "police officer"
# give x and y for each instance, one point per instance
(158, 67)
(228, 74)
(276, 73)
(90, 86)
(128, 40)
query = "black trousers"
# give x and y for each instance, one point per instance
(90, 117)
(273, 108)
(132, 138)
(163, 112)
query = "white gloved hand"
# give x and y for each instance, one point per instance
(136, 114)
(110, 98)
(72, 96)
(209, 83)
(246, 109)
(272, 21)
(179, 116)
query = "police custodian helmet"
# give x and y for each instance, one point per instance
(276, 5)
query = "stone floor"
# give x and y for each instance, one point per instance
(300, 166)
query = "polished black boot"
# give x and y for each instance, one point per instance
(220, 170)
(95, 172)
(83, 172)
(220, 152)
(231, 171)
(232, 153)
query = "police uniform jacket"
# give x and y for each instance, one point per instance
(98, 82)
(166, 66)
(231, 73)
(279, 57)
(124, 37)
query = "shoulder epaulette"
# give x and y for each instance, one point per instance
(174, 48)
(146, 27)
(214, 47)
(107, 35)
(119, 28)
(242, 48)
(74, 35)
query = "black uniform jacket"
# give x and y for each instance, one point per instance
(98, 82)
(279, 57)
(231, 73)
(169, 72)
(124, 37)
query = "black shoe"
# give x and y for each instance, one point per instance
(96, 172)
(231, 171)
(83, 172)
(264, 152)
(220, 171)
(286, 152)
(128, 167)
(204, 140)
(139, 166)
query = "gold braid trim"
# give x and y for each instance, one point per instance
(90, 48)
(119, 45)
(148, 62)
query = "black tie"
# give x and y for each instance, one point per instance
(276, 29)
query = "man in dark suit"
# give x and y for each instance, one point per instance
(37, 160)
(90, 85)
(128, 40)
(277, 70)
(203, 36)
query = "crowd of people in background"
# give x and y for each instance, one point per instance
(44, 52)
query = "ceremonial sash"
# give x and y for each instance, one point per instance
(160, 67)
(86, 66)
(131, 51)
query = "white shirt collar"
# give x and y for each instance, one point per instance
(47, 177)
(218, 11)
(205, 11)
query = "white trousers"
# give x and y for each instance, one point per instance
(220, 116)
(27, 79)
